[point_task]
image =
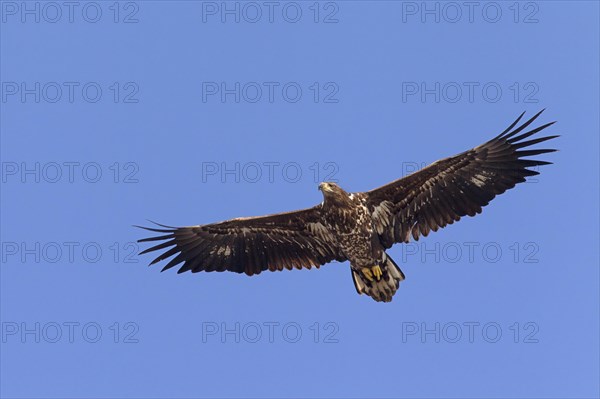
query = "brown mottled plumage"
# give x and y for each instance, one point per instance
(359, 227)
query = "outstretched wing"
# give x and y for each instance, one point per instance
(249, 245)
(448, 189)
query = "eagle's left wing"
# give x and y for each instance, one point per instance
(249, 245)
(448, 189)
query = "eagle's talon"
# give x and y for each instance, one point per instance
(372, 273)
(377, 272)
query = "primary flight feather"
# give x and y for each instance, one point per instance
(359, 227)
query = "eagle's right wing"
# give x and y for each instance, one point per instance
(448, 189)
(249, 245)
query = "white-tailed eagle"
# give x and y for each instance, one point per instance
(359, 227)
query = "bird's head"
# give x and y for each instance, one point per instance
(333, 191)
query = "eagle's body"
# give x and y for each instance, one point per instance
(359, 227)
(348, 219)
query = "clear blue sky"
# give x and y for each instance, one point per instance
(176, 112)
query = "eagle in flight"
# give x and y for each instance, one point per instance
(359, 227)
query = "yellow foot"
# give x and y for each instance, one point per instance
(373, 271)
(377, 272)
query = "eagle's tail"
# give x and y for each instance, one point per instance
(384, 288)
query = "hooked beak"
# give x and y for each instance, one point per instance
(325, 187)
